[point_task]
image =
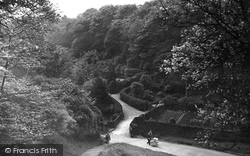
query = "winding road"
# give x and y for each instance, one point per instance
(121, 134)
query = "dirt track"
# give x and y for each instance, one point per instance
(121, 134)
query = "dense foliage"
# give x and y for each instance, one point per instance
(23, 26)
(198, 45)
(126, 32)
(29, 115)
(38, 109)
(99, 92)
(139, 104)
(214, 53)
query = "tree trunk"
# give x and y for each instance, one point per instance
(5, 75)
(186, 89)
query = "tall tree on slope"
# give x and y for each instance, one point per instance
(215, 53)
(22, 28)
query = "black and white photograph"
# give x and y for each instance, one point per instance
(125, 78)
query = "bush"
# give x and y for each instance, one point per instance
(87, 116)
(175, 87)
(99, 90)
(118, 70)
(114, 87)
(129, 72)
(134, 102)
(125, 83)
(170, 101)
(148, 95)
(117, 86)
(189, 103)
(137, 90)
(146, 81)
(27, 119)
(38, 115)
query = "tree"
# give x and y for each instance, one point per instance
(152, 39)
(82, 44)
(63, 32)
(56, 62)
(100, 25)
(86, 67)
(99, 92)
(215, 53)
(112, 41)
(88, 14)
(22, 29)
(124, 11)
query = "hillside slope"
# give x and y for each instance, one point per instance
(119, 149)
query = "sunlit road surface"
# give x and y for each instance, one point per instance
(121, 134)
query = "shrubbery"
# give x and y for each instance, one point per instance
(56, 63)
(175, 87)
(35, 114)
(137, 90)
(114, 87)
(117, 86)
(99, 92)
(28, 119)
(134, 102)
(146, 81)
(119, 70)
(84, 118)
(188, 103)
(87, 116)
(170, 102)
(148, 95)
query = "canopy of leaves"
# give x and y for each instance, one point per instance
(32, 112)
(214, 53)
(126, 30)
(23, 27)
